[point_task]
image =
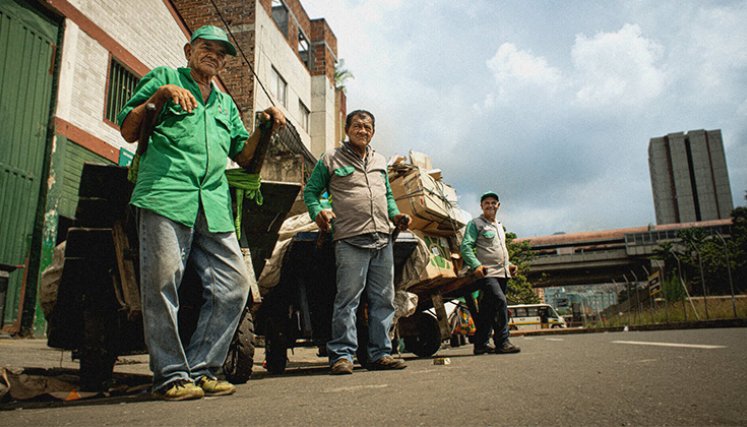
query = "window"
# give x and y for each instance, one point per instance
(280, 15)
(303, 49)
(304, 114)
(278, 87)
(121, 87)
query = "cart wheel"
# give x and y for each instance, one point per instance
(276, 348)
(96, 356)
(240, 358)
(428, 340)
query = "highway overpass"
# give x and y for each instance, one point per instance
(597, 257)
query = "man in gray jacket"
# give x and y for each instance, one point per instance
(363, 209)
(484, 250)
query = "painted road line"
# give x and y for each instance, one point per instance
(554, 339)
(669, 344)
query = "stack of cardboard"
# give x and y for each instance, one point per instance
(432, 204)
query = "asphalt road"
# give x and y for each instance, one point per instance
(681, 377)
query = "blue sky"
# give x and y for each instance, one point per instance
(549, 103)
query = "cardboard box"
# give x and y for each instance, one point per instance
(428, 199)
(440, 264)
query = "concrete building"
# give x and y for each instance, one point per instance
(292, 55)
(689, 177)
(69, 66)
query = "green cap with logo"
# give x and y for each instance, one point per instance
(489, 194)
(210, 32)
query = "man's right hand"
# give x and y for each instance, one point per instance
(178, 95)
(479, 272)
(324, 219)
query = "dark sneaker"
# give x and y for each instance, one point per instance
(483, 349)
(386, 363)
(507, 348)
(179, 390)
(215, 387)
(342, 367)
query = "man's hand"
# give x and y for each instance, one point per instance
(512, 269)
(479, 272)
(178, 95)
(277, 117)
(402, 221)
(324, 219)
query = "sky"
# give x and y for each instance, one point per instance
(549, 103)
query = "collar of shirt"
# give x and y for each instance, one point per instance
(347, 146)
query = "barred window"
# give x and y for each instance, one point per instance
(121, 86)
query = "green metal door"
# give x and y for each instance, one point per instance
(27, 49)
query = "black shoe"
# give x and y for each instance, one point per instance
(507, 348)
(483, 349)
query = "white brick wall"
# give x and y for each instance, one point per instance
(143, 27)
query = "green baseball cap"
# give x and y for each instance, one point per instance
(210, 32)
(489, 194)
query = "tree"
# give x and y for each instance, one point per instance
(520, 290)
(342, 75)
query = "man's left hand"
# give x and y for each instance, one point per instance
(277, 117)
(402, 221)
(512, 268)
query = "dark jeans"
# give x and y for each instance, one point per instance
(493, 311)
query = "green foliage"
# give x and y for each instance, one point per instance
(672, 290)
(342, 74)
(701, 256)
(520, 290)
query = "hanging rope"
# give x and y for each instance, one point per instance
(246, 185)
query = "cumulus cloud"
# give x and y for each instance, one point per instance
(510, 65)
(617, 68)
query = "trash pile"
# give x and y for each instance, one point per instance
(437, 220)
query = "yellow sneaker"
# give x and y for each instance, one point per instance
(179, 390)
(215, 387)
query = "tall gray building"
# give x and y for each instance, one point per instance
(689, 177)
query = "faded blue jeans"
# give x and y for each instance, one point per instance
(165, 248)
(361, 269)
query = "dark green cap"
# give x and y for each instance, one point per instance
(210, 32)
(489, 194)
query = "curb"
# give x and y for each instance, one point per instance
(703, 324)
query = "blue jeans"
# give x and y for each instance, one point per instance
(165, 248)
(359, 269)
(493, 312)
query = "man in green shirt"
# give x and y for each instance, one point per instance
(185, 214)
(484, 250)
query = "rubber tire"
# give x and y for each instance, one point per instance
(428, 340)
(240, 358)
(276, 348)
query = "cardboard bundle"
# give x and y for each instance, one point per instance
(432, 205)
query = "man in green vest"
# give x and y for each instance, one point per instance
(484, 251)
(363, 211)
(185, 214)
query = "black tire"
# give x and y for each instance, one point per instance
(96, 355)
(240, 358)
(428, 339)
(276, 348)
